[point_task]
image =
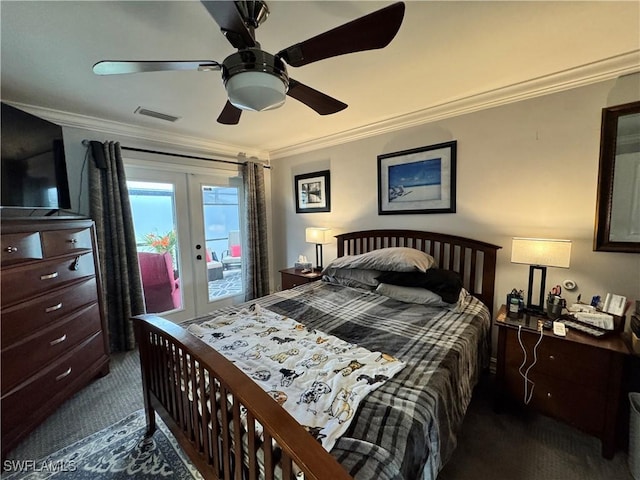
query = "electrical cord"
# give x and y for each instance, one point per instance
(528, 394)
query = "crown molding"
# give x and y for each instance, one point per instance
(599, 71)
(602, 70)
(138, 133)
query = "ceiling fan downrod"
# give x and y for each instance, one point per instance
(253, 12)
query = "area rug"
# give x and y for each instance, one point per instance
(118, 452)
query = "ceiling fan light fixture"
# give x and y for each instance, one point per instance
(255, 80)
(256, 91)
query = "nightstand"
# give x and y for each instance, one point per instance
(578, 378)
(292, 277)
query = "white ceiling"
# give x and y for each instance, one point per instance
(449, 57)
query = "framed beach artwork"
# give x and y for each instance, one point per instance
(313, 192)
(422, 180)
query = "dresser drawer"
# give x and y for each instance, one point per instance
(22, 282)
(20, 247)
(568, 361)
(23, 320)
(61, 242)
(579, 406)
(25, 358)
(42, 389)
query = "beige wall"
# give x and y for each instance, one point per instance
(525, 169)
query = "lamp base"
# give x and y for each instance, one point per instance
(531, 307)
(319, 266)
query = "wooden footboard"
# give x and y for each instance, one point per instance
(213, 409)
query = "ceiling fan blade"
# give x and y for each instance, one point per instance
(230, 114)
(116, 67)
(370, 32)
(321, 103)
(227, 16)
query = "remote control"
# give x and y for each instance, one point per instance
(559, 329)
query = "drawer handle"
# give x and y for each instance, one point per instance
(64, 374)
(49, 276)
(58, 340)
(548, 394)
(53, 308)
(551, 357)
(11, 249)
(73, 240)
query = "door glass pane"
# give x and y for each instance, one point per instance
(153, 209)
(222, 238)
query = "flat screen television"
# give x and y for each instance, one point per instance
(33, 166)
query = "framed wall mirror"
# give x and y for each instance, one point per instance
(617, 226)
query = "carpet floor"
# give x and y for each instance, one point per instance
(490, 446)
(526, 446)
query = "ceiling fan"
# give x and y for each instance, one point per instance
(257, 80)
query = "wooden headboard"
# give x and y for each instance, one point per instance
(475, 261)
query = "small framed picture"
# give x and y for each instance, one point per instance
(422, 180)
(313, 192)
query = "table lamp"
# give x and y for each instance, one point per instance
(319, 236)
(540, 253)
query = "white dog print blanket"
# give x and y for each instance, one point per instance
(318, 378)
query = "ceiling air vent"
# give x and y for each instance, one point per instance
(160, 116)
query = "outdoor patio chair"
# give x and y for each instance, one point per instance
(233, 256)
(161, 289)
(214, 267)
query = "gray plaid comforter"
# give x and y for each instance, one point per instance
(406, 429)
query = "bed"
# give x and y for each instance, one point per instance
(404, 429)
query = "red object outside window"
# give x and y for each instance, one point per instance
(236, 251)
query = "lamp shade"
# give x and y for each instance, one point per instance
(256, 91)
(318, 235)
(541, 251)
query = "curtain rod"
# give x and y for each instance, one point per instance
(180, 155)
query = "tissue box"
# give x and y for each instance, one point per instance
(303, 266)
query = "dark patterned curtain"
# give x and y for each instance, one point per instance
(110, 210)
(256, 266)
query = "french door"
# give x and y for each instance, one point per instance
(188, 237)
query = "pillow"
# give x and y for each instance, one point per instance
(393, 259)
(445, 283)
(411, 294)
(351, 277)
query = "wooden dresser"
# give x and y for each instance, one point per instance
(579, 379)
(54, 337)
